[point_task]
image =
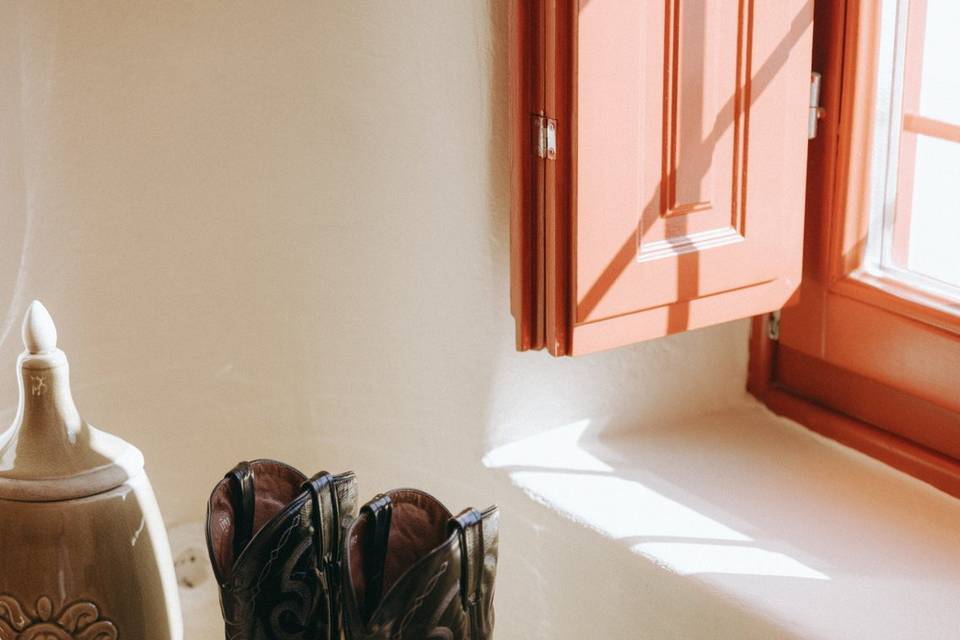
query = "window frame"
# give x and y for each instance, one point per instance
(897, 403)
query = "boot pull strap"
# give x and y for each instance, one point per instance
(469, 526)
(380, 510)
(323, 496)
(243, 496)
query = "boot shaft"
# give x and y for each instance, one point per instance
(275, 541)
(412, 570)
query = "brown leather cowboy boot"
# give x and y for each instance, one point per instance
(275, 541)
(413, 571)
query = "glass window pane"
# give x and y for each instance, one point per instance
(940, 80)
(915, 215)
(935, 211)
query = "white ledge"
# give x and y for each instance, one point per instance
(739, 525)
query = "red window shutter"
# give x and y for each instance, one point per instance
(675, 198)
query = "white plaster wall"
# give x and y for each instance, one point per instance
(280, 229)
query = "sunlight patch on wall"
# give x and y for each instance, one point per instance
(555, 449)
(694, 558)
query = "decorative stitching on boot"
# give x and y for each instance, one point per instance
(431, 585)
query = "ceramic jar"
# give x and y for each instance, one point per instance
(83, 548)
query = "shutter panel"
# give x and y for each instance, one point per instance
(676, 198)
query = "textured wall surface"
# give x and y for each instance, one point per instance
(280, 229)
(273, 230)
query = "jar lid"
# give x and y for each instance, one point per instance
(50, 453)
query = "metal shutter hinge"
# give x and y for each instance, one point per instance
(773, 325)
(544, 137)
(815, 111)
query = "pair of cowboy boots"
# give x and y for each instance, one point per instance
(295, 561)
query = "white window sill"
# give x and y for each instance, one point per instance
(736, 525)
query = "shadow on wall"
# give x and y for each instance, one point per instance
(16, 174)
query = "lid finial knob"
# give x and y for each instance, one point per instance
(39, 332)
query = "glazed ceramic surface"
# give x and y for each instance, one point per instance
(87, 568)
(84, 550)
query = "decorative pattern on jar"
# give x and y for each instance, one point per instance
(79, 620)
